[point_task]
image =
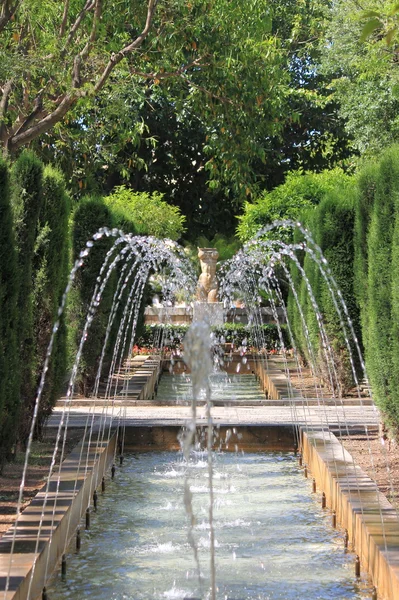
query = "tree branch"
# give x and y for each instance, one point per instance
(86, 9)
(7, 12)
(79, 58)
(64, 19)
(119, 56)
(4, 99)
(3, 108)
(28, 131)
(45, 124)
(36, 111)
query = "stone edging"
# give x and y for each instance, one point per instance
(58, 522)
(371, 521)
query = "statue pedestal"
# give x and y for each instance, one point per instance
(212, 312)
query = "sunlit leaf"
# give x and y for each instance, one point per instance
(369, 28)
(394, 10)
(390, 35)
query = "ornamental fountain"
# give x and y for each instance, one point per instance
(108, 422)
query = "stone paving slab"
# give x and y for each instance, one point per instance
(311, 416)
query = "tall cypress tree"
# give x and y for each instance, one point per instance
(9, 379)
(394, 377)
(335, 237)
(50, 272)
(27, 182)
(364, 202)
(379, 348)
(331, 226)
(91, 214)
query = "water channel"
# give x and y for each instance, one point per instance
(226, 389)
(273, 540)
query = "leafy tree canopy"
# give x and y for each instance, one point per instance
(220, 55)
(149, 213)
(87, 81)
(362, 64)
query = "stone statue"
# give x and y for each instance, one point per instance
(207, 289)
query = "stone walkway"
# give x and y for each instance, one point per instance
(328, 417)
(140, 409)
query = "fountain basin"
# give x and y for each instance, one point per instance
(272, 538)
(370, 519)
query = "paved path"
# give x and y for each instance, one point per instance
(312, 416)
(239, 400)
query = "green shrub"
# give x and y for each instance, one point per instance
(9, 363)
(148, 213)
(300, 191)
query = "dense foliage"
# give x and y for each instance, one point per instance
(301, 190)
(362, 69)
(206, 102)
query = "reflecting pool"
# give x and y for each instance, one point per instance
(273, 540)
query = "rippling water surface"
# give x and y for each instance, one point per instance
(272, 538)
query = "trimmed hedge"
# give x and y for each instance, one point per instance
(382, 286)
(231, 333)
(90, 215)
(27, 197)
(51, 268)
(9, 357)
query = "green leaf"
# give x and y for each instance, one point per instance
(369, 28)
(390, 35)
(394, 10)
(370, 13)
